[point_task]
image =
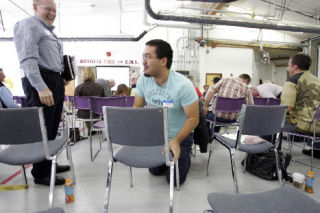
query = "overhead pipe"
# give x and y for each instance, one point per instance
(256, 24)
(180, 26)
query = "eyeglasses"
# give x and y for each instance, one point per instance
(147, 57)
(47, 8)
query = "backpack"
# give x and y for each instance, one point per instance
(264, 165)
(201, 134)
(76, 132)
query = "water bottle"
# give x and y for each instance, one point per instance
(309, 181)
(69, 191)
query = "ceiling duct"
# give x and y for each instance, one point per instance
(237, 23)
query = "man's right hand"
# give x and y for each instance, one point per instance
(46, 97)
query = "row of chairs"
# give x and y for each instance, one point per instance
(94, 105)
(235, 105)
(138, 148)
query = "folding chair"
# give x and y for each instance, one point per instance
(31, 145)
(82, 103)
(311, 139)
(129, 101)
(142, 132)
(260, 101)
(96, 108)
(255, 120)
(20, 100)
(284, 199)
(225, 105)
(274, 101)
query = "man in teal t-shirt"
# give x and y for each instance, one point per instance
(162, 87)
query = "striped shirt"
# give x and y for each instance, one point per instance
(37, 46)
(230, 88)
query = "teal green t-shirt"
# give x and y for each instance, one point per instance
(176, 93)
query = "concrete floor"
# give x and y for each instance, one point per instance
(149, 194)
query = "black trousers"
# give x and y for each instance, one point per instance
(183, 162)
(52, 115)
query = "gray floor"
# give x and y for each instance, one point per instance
(149, 194)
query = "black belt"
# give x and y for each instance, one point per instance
(47, 71)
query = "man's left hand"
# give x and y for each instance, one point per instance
(174, 146)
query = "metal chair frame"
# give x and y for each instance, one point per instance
(163, 131)
(262, 128)
(31, 136)
(314, 138)
(226, 105)
(96, 104)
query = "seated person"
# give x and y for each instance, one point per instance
(267, 90)
(107, 85)
(229, 88)
(6, 98)
(88, 88)
(123, 90)
(300, 94)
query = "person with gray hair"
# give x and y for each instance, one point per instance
(107, 85)
(40, 54)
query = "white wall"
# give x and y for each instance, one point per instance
(224, 60)
(209, 60)
(281, 75)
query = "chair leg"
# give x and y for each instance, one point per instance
(194, 147)
(233, 169)
(278, 167)
(177, 177)
(211, 149)
(130, 174)
(171, 188)
(244, 168)
(73, 177)
(25, 176)
(209, 156)
(93, 156)
(108, 187)
(52, 181)
(311, 163)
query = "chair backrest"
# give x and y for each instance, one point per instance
(229, 105)
(261, 120)
(98, 102)
(317, 114)
(260, 101)
(129, 101)
(274, 101)
(136, 126)
(82, 102)
(21, 125)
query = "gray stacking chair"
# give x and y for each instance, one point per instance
(255, 120)
(312, 140)
(143, 133)
(24, 130)
(284, 199)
